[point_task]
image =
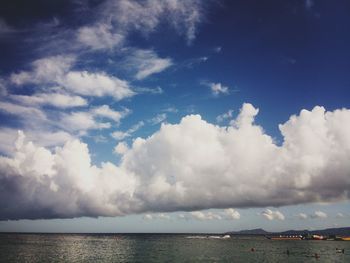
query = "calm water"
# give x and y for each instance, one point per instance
(162, 248)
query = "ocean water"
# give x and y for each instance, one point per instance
(163, 248)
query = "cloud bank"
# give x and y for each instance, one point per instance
(188, 166)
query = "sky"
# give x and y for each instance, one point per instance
(174, 116)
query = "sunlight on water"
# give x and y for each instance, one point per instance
(161, 248)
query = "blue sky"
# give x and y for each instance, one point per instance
(174, 116)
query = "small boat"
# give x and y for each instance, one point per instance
(285, 237)
(226, 237)
(318, 237)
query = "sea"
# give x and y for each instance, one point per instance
(165, 248)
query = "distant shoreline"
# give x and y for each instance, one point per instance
(341, 231)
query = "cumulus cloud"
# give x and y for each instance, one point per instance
(217, 88)
(231, 213)
(272, 215)
(161, 216)
(189, 166)
(302, 216)
(121, 148)
(339, 215)
(45, 138)
(198, 215)
(60, 184)
(319, 214)
(146, 63)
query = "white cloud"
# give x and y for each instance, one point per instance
(272, 215)
(160, 216)
(145, 16)
(302, 216)
(184, 167)
(121, 148)
(59, 100)
(44, 138)
(190, 63)
(106, 112)
(225, 116)
(231, 213)
(154, 91)
(96, 84)
(171, 110)
(99, 36)
(202, 216)
(339, 215)
(25, 112)
(217, 49)
(319, 214)
(57, 71)
(182, 216)
(62, 183)
(82, 121)
(120, 135)
(146, 63)
(3, 89)
(218, 88)
(147, 217)
(45, 70)
(158, 119)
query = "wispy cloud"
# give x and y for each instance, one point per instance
(146, 63)
(57, 71)
(121, 135)
(158, 119)
(60, 100)
(99, 36)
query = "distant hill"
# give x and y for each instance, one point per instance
(257, 231)
(341, 231)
